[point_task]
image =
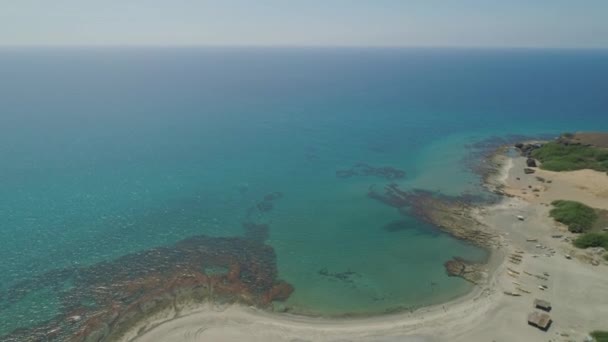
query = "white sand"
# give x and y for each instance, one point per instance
(577, 291)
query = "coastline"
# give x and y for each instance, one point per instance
(482, 314)
(237, 322)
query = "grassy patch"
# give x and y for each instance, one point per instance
(578, 217)
(600, 336)
(559, 157)
(592, 240)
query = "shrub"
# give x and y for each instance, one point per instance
(559, 157)
(600, 336)
(577, 216)
(592, 240)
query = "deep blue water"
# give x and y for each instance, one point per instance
(110, 151)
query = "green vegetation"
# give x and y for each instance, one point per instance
(578, 217)
(592, 240)
(555, 156)
(600, 336)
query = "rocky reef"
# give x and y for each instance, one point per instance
(100, 302)
(471, 272)
(363, 169)
(452, 215)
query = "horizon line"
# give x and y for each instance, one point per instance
(305, 46)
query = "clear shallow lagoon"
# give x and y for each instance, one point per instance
(105, 152)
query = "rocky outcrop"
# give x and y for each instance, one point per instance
(471, 272)
(531, 162)
(526, 149)
(452, 215)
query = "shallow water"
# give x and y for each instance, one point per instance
(108, 152)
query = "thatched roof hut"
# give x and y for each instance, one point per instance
(540, 320)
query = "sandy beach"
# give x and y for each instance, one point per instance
(576, 289)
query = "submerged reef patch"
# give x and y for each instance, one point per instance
(256, 231)
(363, 169)
(346, 276)
(266, 204)
(105, 299)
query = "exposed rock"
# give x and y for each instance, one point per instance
(529, 171)
(458, 267)
(531, 162)
(527, 149)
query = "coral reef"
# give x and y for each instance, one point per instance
(101, 301)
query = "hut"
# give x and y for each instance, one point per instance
(542, 304)
(540, 320)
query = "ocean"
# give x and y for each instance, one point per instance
(106, 152)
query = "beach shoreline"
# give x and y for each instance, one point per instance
(484, 313)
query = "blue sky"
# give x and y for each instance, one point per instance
(479, 23)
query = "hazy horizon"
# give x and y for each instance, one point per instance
(271, 23)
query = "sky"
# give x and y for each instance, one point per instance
(462, 23)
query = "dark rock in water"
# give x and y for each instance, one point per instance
(345, 173)
(363, 169)
(529, 171)
(279, 292)
(273, 196)
(265, 206)
(256, 231)
(531, 162)
(519, 145)
(345, 276)
(458, 267)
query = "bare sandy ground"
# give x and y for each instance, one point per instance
(577, 290)
(585, 186)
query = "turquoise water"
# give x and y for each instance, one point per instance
(110, 151)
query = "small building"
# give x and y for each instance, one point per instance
(540, 320)
(542, 304)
